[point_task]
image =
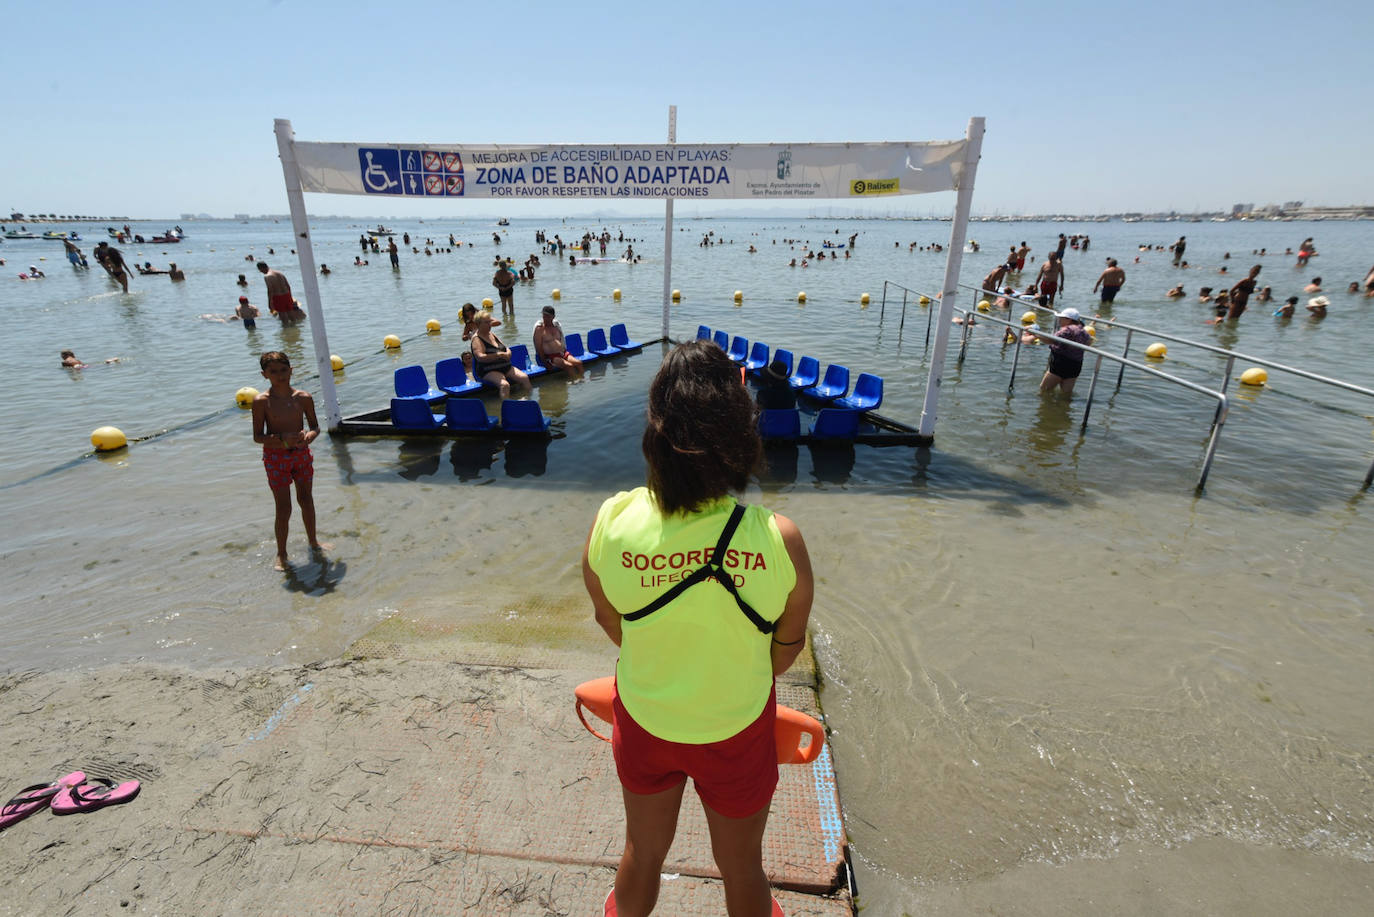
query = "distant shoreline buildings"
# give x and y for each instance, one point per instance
(1290, 211)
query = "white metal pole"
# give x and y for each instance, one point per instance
(668, 232)
(953, 259)
(300, 226)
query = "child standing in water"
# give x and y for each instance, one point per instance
(280, 418)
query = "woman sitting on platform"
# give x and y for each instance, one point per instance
(491, 359)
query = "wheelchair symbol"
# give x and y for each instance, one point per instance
(376, 177)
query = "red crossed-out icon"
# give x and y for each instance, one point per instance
(433, 161)
(453, 162)
(455, 184)
(434, 184)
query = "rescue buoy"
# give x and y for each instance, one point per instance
(487, 303)
(863, 298)
(244, 396)
(615, 294)
(984, 305)
(924, 300)
(739, 296)
(391, 342)
(1254, 376)
(336, 362)
(1156, 351)
(108, 439)
(598, 696)
(677, 296)
(556, 293)
(801, 297)
(1027, 318)
(432, 326)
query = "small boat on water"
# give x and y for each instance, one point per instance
(381, 231)
(54, 234)
(503, 222)
(164, 239)
(20, 234)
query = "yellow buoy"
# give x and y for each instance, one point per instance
(556, 293)
(432, 326)
(391, 342)
(924, 300)
(739, 295)
(984, 305)
(615, 294)
(1092, 332)
(1027, 318)
(1156, 351)
(801, 297)
(863, 298)
(336, 362)
(677, 296)
(107, 439)
(244, 396)
(487, 303)
(1254, 376)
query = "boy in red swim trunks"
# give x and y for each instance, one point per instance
(280, 417)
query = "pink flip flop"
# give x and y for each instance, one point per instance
(33, 798)
(92, 794)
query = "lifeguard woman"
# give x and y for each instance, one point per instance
(708, 601)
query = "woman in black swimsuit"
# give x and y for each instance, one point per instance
(491, 359)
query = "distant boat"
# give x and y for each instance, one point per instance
(381, 231)
(503, 222)
(19, 234)
(164, 239)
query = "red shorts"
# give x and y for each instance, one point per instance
(735, 777)
(281, 303)
(287, 465)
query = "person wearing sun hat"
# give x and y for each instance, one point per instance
(1066, 361)
(775, 392)
(1317, 306)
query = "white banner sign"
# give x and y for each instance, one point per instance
(725, 171)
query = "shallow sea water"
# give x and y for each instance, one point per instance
(1037, 642)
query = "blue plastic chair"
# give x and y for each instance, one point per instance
(452, 377)
(468, 414)
(573, 342)
(523, 417)
(785, 357)
(836, 423)
(520, 359)
(868, 394)
(739, 349)
(758, 358)
(808, 373)
(703, 333)
(780, 423)
(414, 414)
(621, 338)
(596, 343)
(834, 385)
(722, 340)
(411, 382)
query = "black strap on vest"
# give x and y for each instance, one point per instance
(714, 569)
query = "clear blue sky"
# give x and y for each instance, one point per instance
(153, 109)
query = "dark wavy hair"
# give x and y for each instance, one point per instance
(702, 439)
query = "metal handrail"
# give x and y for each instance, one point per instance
(1218, 420)
(1231, 356)
(882, 310)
